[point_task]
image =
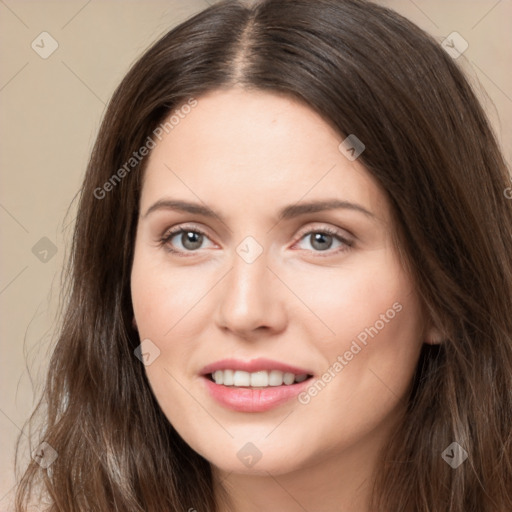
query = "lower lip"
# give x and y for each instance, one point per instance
(251, 399)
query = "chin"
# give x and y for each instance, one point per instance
(258, 457)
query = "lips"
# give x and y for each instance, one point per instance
(246, 398)
(255, 365)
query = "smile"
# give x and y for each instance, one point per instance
(253, 386)
(261, 379)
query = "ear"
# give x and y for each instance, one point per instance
(433, 336)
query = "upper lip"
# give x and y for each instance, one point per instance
(254, 365)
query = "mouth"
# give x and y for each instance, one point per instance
(255, 386)
(257, 380)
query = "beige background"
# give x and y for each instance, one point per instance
(51, 110)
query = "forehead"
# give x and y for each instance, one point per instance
(257, 150)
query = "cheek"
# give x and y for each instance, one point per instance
(162, 296)
(169, 311)
(375, 329)
(161, 302)
(352, 297)
(372, 355)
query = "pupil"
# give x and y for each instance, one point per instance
(320, 238)
(191, 240)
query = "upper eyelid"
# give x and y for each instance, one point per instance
(179, 228)
(325, 228)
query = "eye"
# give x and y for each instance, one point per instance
(184, 239)
(323, 240)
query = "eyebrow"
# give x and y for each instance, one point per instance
(288, 212)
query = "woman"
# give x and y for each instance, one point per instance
(291, 280)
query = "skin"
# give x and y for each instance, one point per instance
(246, 155)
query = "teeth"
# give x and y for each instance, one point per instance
(228, 377)
(218, 377)
(261, 379)
(288, 378)
(275, 378)
(241, 379)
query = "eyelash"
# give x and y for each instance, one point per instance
(170, 234)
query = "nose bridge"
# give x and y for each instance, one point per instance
(250, 298)
(248, 280)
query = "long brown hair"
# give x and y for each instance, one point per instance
(369, 72)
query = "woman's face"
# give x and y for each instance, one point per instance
(286, 266)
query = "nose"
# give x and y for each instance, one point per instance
(252, 299)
